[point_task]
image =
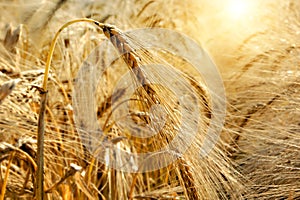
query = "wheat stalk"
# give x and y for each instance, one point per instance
(41, 122)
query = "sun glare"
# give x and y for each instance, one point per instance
(238, 8)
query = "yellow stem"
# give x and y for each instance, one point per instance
(6, 176)
(39, 188)
(53, 43)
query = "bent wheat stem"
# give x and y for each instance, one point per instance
(122, 44)
(54, 40)
(39, 187)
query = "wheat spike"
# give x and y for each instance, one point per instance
(120, 42)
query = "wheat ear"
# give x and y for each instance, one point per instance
(121, 43)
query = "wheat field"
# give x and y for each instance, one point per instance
(255, 46)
